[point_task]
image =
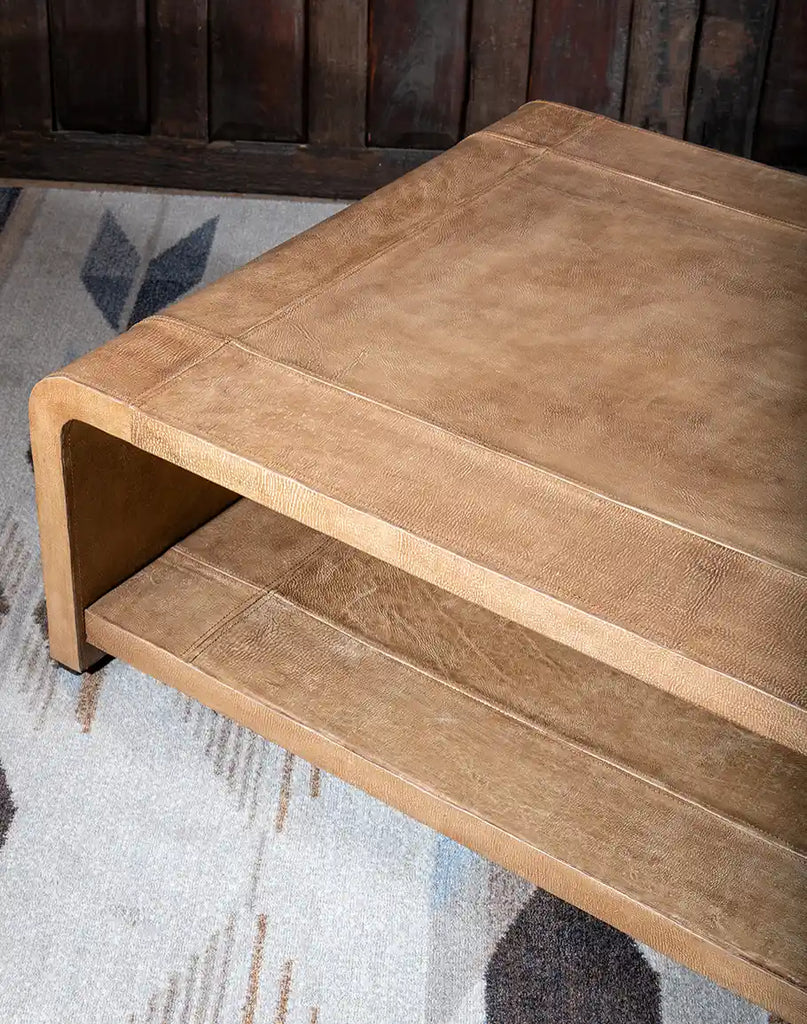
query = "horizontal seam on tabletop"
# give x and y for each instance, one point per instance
(699, 196)
(540, 470)
(418, 228)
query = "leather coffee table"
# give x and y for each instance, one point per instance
(488, 496)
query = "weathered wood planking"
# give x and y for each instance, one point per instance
(274, 167)
(99, 65)
(337, 72)
(417, 72)
(25, 100)
(499, 60)
(178, 65)
(729, 64)
(781, 131)
(257, 69)
(579, 53)
(659, 64)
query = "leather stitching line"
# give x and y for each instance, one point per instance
(413, 232)
(608, 168)
(144, 396)
(500, 707)
(492, 449)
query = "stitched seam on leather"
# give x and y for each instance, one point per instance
(210, 635)
(610, 626)
(177, 549)
(501, 708)
(588, 125)
(201, 644)
(413, 232)
(492, 449)
(271, 590)
(700, 196)
(144, 396)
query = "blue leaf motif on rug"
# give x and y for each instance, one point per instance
(558, 965)
(174, 271)
(109, 269)
(7, 808)
(8, 200)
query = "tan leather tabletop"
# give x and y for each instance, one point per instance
(558, 371)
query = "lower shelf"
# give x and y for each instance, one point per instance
(653, 814)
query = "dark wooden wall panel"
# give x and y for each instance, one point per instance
(257, 69)
(659, 64)
(729, 64)
(25, 100)
(337, 71)
(579, 52)
(417, 72)
(334, 97)
(178, 65)
(98, 60)
(499, 60)
(781, 135)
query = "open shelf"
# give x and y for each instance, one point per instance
(650, 812)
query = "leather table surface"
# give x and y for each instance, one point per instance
(558, 371)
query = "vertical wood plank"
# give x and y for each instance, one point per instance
(337, 72)
(781, 130)
(178, 64)
(257, 65)
(24, 66)
(659, 64)
(499, 60)
(98, 53)
(579, 53)
(417, 72)
(729, 62)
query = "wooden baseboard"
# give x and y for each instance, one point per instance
(277, 168)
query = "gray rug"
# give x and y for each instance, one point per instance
(159, 864)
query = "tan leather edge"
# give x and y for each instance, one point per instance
(733, 699)
(503, 129)
(54, 402)
(664, 934)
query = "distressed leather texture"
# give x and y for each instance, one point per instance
(539, 407)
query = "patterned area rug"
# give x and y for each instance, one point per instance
(158, 864)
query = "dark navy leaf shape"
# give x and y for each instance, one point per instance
(174, 271)
(109, 269)
(558, 965)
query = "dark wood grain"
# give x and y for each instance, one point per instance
(178, 65)
(417, 72)
(98, 53)
(729, 62)
(499, 60)
(279, 168)
(257, 69)
(337, 72)
(579, 52)
(659, 64)
(24, 65)
(781, 131)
